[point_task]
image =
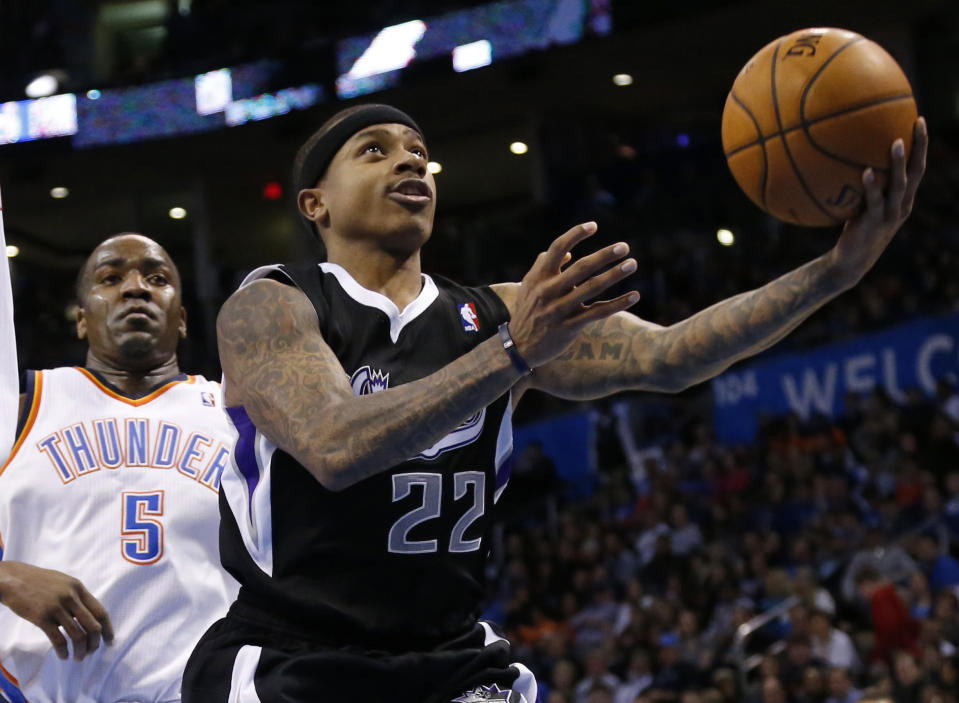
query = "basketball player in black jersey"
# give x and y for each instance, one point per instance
(372, 405)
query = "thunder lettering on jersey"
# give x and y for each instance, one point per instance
(121, 493)
(318, 563)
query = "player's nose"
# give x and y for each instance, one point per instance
(134, 285)
(411, 163)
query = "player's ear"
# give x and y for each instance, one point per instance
(312, 205)
(81, 324)
(181, 328)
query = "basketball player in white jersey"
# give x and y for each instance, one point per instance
(108, 502)
(375, 401)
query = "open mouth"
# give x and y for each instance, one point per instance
(411, 191)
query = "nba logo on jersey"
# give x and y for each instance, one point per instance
(207, 399)
(469, 318)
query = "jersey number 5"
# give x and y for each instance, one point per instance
(432, 486)
(142, 540)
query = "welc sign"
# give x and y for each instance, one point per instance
(913, 355)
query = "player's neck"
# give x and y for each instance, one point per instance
(133, 381)
(399, 278)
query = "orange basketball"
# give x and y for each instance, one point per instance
(806, 115)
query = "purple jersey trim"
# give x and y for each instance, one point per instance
(245, 452)
(503, 472)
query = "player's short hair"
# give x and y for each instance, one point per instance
(81, 284)
(315, 155)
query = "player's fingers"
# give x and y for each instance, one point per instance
(562, 245)
(874, 199)
(100, 614)
(90, 626)
(917, 163)
(582, 269)
(896, 188)
(57, 639)
(74, 632)
(596, 285)
(604, 308)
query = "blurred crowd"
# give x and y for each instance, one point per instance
(842, 533)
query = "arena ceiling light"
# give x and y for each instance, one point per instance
(622, 79)
(177, 213)
(434, 167)
(12, 250)
(45, 84)
(518, 148)
(725, 237)
(59, 192)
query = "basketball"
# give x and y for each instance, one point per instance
(806, 115)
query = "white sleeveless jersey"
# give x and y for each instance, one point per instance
(122, 494)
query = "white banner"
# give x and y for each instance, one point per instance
(9, 379)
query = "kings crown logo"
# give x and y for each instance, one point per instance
(482, 694)
(366, 380)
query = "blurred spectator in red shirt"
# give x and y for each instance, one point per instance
(893, 626)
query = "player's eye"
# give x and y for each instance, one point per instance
(158, 279)
(419, 151)
(373, 148)
(108, 279)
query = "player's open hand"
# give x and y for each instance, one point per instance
(52, 600)
(865, 238)
(553, 300)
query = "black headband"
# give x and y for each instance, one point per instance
(316, 153)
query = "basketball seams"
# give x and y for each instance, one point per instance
(807, 124)
(762, 143)
(782, 136)
(824, 118)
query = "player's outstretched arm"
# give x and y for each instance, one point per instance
(52, 600)
(623, 352)
(278, 366)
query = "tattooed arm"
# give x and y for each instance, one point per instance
(624, 352)
(278, 367)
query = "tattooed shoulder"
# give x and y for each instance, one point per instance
(263, 312)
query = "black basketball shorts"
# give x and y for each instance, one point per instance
(237, 662)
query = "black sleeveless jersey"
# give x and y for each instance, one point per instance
(395, 562)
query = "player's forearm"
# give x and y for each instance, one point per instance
(710, 341)
(625, 353)
(348, 439)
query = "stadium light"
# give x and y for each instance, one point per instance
(518, 148)
(42, 86)
(59, 192)
(622, 79)
(12, 250)
(177, 213)
(434, 167)
(725, 237)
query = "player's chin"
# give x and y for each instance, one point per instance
(138, 345)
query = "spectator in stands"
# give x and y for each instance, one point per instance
(894, 629)
(598, 675)
(773, 691)
(638, 677)
(813, 686)
(841, 689)
(685, 534)
(940, 567)
(832, 645)
(890, 561)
